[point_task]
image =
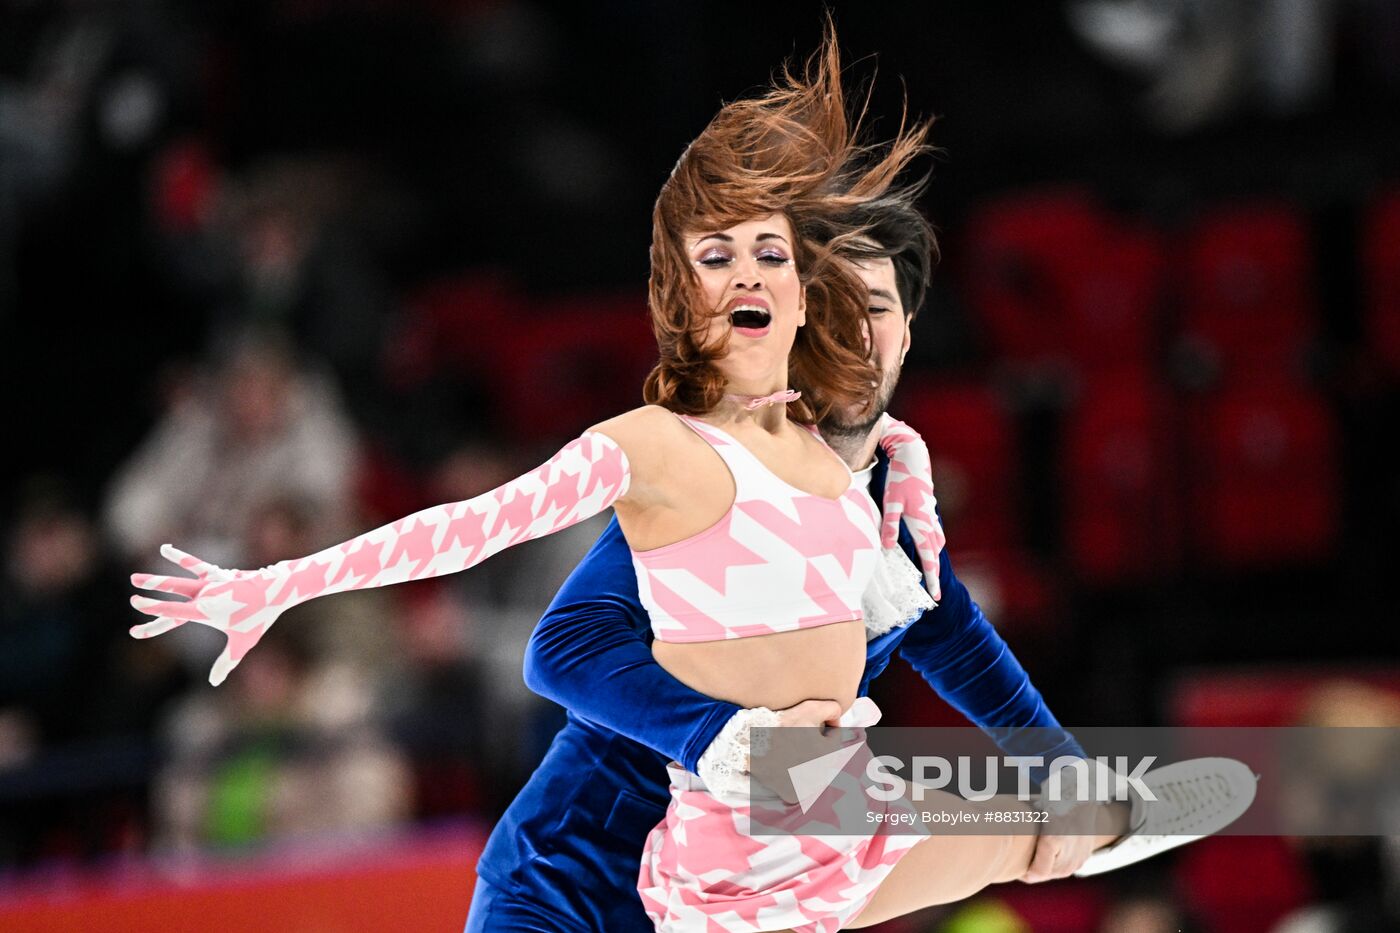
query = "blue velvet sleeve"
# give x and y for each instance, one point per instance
(963, 657)
(591, 654)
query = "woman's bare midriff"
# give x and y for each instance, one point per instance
(777, 671)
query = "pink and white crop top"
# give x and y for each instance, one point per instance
(779, 560)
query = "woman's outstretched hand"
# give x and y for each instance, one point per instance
(242, 604)
(909, 496)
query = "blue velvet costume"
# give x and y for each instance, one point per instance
(565, 856)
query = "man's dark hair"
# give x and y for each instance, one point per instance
(907, 238)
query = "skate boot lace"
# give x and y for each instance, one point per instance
(1182, 803)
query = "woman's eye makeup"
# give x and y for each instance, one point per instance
(715, 258)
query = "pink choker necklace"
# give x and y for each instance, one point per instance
(751, 402)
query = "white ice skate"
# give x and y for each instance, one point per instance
(1195, 798)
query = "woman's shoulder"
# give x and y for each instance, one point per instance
(645, 434)
(642, 423)
(652, 438)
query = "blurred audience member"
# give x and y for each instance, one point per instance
(290, 244)
(1146, 914)
(439, 708)
(1356, 877)
(263, 429)
(1145, 902)
(52, 603)
(289, 749)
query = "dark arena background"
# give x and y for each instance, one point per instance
(274, 274)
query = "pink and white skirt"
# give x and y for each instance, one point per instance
(703, 871)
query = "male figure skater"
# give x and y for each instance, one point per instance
(565, 856)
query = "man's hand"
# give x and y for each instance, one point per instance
(1063, 846)
(909, 496)
(792, 747)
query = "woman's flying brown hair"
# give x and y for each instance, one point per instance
(793, 150)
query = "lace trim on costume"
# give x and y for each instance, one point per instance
(724, 767)
(895, 596)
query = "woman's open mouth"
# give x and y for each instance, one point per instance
(750, 320)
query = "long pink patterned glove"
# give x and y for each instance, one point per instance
(909, 495)
(586, 476)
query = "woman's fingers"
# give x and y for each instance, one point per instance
(169, 609)
(157, 627)
(171, 614)
(222, 665)
(187, 561)
(180, 586)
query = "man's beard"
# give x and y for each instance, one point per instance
(858, 425)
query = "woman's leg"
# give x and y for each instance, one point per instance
(941, 869)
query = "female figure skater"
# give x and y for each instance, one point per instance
(751, 544)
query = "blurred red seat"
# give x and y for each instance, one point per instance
(1247, 298)
(573, 363)
(1120, 508)
(1058, 281)
(1024, 253)
(1112, 302)
(1072, 905)
(1208, 874)
(1265, 477)
(452, 324)
(970, 438)
(1019, 593)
